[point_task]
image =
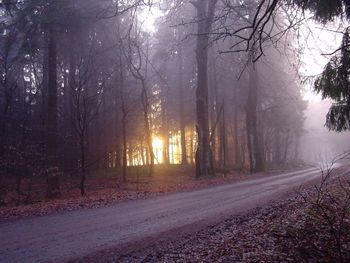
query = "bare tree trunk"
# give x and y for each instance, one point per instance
(192, 148)
(256, 160)
(182, 112)
(217, 146)
(83, 163)
(286, 147)
(277, 150)
(223, 140)
(165, 132)
(122, 99)
(243, 150)
(4, 117)
(51, 128)
(117, 121)
(296, 149)
(136, 72)
(143, 158)
(52, 95)
(238, 159)
(145, 105)
(71, 159)
(8, 93)
(205, 14)
(124, 118)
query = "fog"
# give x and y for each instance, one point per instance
(112, 86)
(319, 144)
(224, 105)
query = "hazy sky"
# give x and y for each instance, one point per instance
(315, 41)
(319, 144)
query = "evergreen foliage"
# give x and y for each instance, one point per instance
(334, 83)
(325, 10)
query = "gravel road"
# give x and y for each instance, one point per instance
(59, 237)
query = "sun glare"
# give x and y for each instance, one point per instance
(157, 143)
(148, 18)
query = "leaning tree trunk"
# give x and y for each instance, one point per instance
(256, 159)
(136, 72)
(205, 14)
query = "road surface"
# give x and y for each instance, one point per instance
(59, 237)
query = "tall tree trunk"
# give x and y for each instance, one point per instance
(72, 155)
(286, 147)
(83, 164)
(224, 141)
(67, 145)
(296, 148)
(52, 138)
(182, 111)
(8, 93)
(277, 151)
(205, 14)
(122, 99)
(44, 90)
(255, 155)
(136, 72)
(165, 132)
(124, 117)
(217, 98)
(238, 159)
(118, 135)
(148, 133)
(3, 128)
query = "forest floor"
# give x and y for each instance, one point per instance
(312, 225)
(105, 190)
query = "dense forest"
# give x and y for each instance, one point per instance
(174, 131)
(88, 85)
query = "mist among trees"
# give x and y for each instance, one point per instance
(174, 130)
(88, 86)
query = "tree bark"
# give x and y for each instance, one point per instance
(83, 164)
(51, 128)
(165, 132)
(148, 134)
(124, 117)
(182, 112)
(52, 95)
(238, 159)
(205, 14)
(256, 159)
(277, 150)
